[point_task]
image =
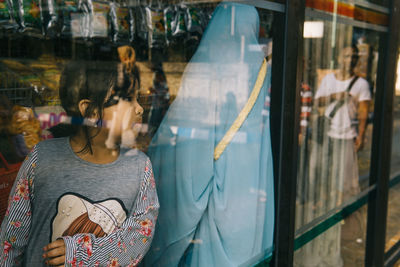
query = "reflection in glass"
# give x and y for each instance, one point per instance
(392, 227)
(217, 205)
(351, 253)
(335, 140)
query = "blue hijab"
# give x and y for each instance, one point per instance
(216, 212)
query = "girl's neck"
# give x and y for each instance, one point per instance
(100, 153)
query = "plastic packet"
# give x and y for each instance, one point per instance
(52, 25)
(132, 25)
(169, 14)
(155, 26)
(67, 9)
(81, 18)
(100, 25)
(30, 15)
(6, 13)
(194, 20)
(180, 21)
(141, 23)
(120, 21)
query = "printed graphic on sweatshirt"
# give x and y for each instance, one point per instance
(77, 215)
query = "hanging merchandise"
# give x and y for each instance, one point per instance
(6, 14)
(82, 21)
(180, 21)
(132, 25)
(194, 20)
(155, 26)
(169, 14)
(141, 23)
(121, 20)
(68, 10)
(30, 15)
(100, 12)
(76, 18)
(52, 26)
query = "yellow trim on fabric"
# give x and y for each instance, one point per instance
(220, 148)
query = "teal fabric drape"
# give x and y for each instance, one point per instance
(216, 213)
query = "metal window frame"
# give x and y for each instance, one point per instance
(285, 99)
(285, 109)
(382, 141)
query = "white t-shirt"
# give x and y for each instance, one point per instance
(341, 124)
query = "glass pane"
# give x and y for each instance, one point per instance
(392, 230)
(337, 95)
(148, 126)
(341, 245)
(392, 227)
(337, 104)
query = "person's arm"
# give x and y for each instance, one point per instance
(126, 246)
(362, 123)
(17, 221)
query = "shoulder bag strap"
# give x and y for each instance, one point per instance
(340, 103)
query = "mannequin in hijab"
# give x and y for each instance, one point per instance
(212, 154)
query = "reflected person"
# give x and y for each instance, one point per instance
(343, 98)
(346, 98)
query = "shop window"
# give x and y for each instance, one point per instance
(172, 97)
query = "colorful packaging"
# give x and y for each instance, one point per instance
(132, 25)
(194, 20)
(169, 14)
(5, 14)
(69, 10)
(155, 26)
(30, 15)
(141, 22)
(100, 25)
(120, 21)
(180, 21)
(52, 26)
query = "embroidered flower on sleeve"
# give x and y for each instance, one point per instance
(146, 227)
(6, 249)
(23, 189)
(121, 247)
(113, 262)
(86, 243)
(16, 224)
(73, 262)
(135, 261)
(152, 181)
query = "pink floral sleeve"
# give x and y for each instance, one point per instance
(127, 245)
(17, 221)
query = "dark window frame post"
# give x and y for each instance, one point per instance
(382, 140)
(285, 112)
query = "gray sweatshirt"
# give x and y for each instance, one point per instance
(105, 213)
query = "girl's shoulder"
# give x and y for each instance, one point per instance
(52, 144)
(134, 153)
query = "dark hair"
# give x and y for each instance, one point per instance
(84, 80)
